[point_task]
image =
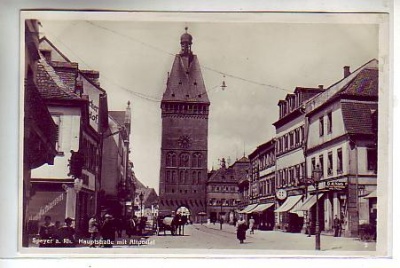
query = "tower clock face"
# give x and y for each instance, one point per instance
(184, 141)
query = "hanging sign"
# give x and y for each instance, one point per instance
(281, 194)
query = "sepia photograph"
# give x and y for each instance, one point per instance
(257, 134)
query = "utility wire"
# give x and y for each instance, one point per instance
(172, 54)
(137, 94)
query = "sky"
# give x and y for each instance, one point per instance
(260, 60)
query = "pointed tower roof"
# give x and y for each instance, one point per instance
(185, 81)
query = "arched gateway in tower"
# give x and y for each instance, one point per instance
(184, 114)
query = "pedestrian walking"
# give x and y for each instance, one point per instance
(251, 225)
(241, 228)
(108, 231)
(337, 226)
(93, 229)
(46, 233)
(131, 227)
(67, 234)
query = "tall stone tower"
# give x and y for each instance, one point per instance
(184, 113)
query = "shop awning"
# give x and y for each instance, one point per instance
(262, 207)
(248, 209)
(296, 209)
(290, 202)
(310, 201)
(371, 195)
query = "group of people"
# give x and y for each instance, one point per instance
(106, 228)
(55, 235)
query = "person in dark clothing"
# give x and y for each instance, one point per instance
(337, 226)
(66, 234)
(131, 227)
(46, 233)
(108, 231)
(241, 228)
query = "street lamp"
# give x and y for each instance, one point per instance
(220, 217)
(141, 204)
(317, 172)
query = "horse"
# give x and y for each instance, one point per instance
(166, 223)
(181, 221)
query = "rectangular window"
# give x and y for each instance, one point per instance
(339, 161)
(372, 159)
(329, 123)
(330, 164)
(321, 126)
(286, 142)
(321, 164)
(312, 164)
(291, 141)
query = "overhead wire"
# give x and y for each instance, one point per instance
(172, 54)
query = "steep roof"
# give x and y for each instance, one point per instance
(185, 81)
(365, 84)
(358, 117)
(50, 84)
(118, 116)
(223, 175)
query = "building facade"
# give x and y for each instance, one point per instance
(223, 191)
(290, 158)
(184, 142)
(39, 128)
(342, 142)
(262, 162)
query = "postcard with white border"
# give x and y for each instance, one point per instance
(204, 134)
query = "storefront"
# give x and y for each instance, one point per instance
(264, 216)
(289, 217)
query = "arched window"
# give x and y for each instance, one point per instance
(181, 176)
(198, 177)
(168, 160)
(173, 176)
(184, 160)
(194, 160)
(194, 177)
(173, 160)
(167, 177)
(200, 160)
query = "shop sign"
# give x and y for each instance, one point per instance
(336, 185)
(281, 194)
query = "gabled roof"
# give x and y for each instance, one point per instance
(223, 175)
(44, 39)
(358, 117)
(185, 82)
(118, 116)
(365, 84)
(50, 84)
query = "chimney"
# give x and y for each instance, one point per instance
(321, 86)
(346, 71)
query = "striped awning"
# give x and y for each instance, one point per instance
(262, 207)
(248, 209)
(290, 202)
(310, 201)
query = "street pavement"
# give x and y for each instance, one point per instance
(209, 236)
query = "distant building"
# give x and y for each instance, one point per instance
(262, 181)
(117, 187)
(184, 142)
(223, 191)
(148, 207)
